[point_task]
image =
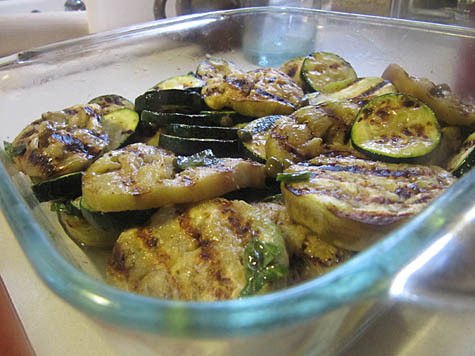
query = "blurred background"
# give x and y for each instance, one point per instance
(26, 24)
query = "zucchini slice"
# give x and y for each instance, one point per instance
(326, 72)
(119, 126)
(254, 146)
(114, 222)
(197, 131)
(187, 81)
(189, 146)
(112, 102)
(463, 161)
(216, 67)
(395, 127)
(362, 89)
(352, 202)
(204, 118)
(170, 100)
(67, 187)
(79, 229)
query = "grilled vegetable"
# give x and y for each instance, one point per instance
(197, 252)
(198, 131)
(181, 82)
(309, 255)
(326, 72)
(119, 126)
(78, 229)
(140, 177)
(352, 202)
(395, 127)
(189, 146)
(112, 102)
(446, 105)
(293, 68)
(114, 222)
(312, 130)
(156, 120)
(360, 90)
(464, 160)
(254, 145)
(171, 100)
(257, 93)
(64, 187)
(216, 68)
(61, 142)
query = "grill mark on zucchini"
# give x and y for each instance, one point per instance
(373, 89)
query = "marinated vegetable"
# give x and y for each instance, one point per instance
(396, 127)
(351, 202)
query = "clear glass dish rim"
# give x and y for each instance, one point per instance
(367, 275)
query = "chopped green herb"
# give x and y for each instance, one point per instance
(65, 206)
(201, 159)
(293, 177)
(261, 267)
(13, 151)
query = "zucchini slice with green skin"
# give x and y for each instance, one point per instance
(326, 72)
(78, 228)
(395, 127)
(189, 146)
(112, 102)
(361, 89)
(204, 118)
(119, 126)
(187, 81)
(197, 131)
(216, 67)
(463, 161)
(114, 222)
(171, 100)
(254, 145)
(67, 187)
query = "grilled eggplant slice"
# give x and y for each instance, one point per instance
(352, 202)
(293, 68)
(197, 252)
(261, 92)
(216, 68)
(61, 142)
(312, 130)
(139, 177)
(447, 106)
(395, 128)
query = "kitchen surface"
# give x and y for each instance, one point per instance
(34, 320)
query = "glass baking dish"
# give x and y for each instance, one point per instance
(321, 316)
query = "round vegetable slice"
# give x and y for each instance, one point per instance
(326, 72)
(395, 127)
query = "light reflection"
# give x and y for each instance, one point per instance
(6, 76)
(399, 283)
(98, 299)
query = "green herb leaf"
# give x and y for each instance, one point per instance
(261, 267)
(13, 151)
(204, 158)
(293, 177)
(65, 206)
